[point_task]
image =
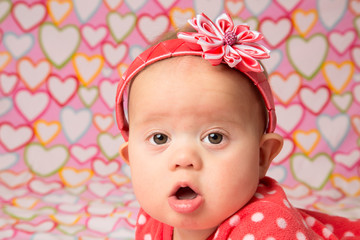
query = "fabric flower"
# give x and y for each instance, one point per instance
(222, 41)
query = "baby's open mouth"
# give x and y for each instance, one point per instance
(184, 193)
(185, 199)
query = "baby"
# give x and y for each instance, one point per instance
(200, 138)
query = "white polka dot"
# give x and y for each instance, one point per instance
(142, 220)
(330, 227)
(272, 192)
(234, 220)
(281, 223)
(300, 236)
(257, 217)
(259, 195)
(147, 236)
(349, 234)
(249, 237)
(310, 221)
(270, 238)
(287, 204)
(326, 232)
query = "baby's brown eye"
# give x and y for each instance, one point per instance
(159, 139)
(214, 138)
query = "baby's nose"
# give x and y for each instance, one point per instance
(185, 158)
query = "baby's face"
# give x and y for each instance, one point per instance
(194, 143)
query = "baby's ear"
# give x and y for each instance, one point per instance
(124, 152)
(270, 146)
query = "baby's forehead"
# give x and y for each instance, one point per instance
(194, 68)
(195, 65)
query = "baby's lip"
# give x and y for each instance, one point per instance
(185, 198)
(183, 188)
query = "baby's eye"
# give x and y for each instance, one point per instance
(214, 138)
(159, 139)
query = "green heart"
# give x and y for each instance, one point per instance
(43, 161)
(6, 13)
(70, 230)
(58, 49)
(87, 103)
(123, 26)
(313, 172)
(340, 108)
(26, 214)
(357, 24)
(109, 151)
(307, 61)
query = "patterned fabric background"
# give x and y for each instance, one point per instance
(60, 173)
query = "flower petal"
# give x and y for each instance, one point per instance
(254, 50)
(249, 36)
(206, 26)
(215, 56)
(232, 57)
(224, 23)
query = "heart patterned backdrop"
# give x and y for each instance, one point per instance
(60, 173)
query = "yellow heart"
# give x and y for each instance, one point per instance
(45, 131)
(178, 15)
(64, 5)
(348, 186)
(25, 202)
(87, 68)
(306, 140)
(304, 21)
(66, 219)
(338, 76)
(5, 58)
(73, 177)
(122, 68)
(119, 179)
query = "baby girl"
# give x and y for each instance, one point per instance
(199, 139)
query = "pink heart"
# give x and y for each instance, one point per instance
(29, 16)
(31, 105)
(62, 90)
(14, 138)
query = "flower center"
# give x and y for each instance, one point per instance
(230, 38)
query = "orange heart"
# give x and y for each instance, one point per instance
(5, 58)
(304, 21)
(45, 131)
(306, 140)
(73, 177)
(87, 68)
(338, 76)
(113, 5)
(59, 10)
(122, 68)
(348, 186)
(355, 122)
(25, 202)
(178, 17)
(119, 179)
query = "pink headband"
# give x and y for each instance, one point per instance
(221, 42)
